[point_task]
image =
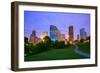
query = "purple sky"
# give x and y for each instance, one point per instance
(41, 21)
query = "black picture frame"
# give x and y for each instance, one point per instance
(15, 33)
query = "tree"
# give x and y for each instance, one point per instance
(26, 39)
(40, 47)
(59, 44)
(47, 42)
(47, 39)
(28, 48)
(82, 40)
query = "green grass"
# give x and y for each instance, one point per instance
(55, 54)
(85, 47)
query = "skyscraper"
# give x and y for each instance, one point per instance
(33, 33)
(59, 36)
(33, 37)
(78, 38)
(54, 33)
(62, 37)
(83, 34)
(71, 34)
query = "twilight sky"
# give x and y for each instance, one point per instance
(41, 21)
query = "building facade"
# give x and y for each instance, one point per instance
(71, 34)
(62, 37)
(33, 38)
(78, 37)
(83, 34)
(54, 32)
(59, 36)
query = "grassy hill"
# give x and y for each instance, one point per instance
(85, 47)
(55, 54)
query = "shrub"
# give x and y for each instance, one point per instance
(40, 47)
(59, 44)
(28, 48)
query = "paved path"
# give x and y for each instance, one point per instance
(78, 51)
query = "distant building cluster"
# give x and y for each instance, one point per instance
(55, 34)
(33, 38)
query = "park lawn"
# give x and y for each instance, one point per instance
(55, 54)
(85, 47)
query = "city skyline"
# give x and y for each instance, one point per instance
(41, 21)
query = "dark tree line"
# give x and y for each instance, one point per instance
(48, 44)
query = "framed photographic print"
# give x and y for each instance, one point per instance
(52, 36)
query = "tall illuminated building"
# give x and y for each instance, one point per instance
(62, 37)
(78, 37)
(71, 34)
(83, 34)
(54, 33)
(33, 37)
(59, 36)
